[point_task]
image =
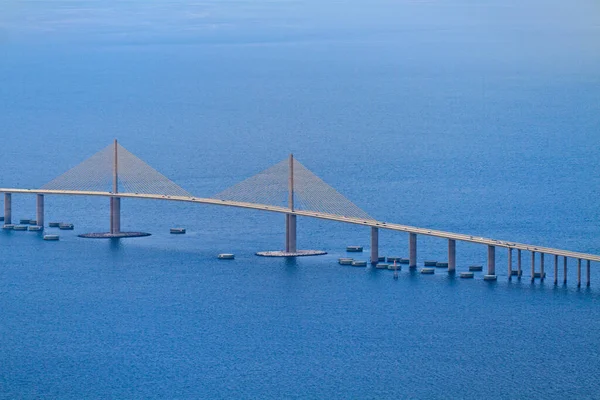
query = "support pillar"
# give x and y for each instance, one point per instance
(451, 256)
(7, 208)
(587, 267)
(290, 233)
(579, 272)
(374, 245)
(509, 264)
(115, 202)
(39, 210)
(115, 215)
(519, 271)
(565, 270)
(491, 263)
(555, 269)
(412, 250)
(532, 266)
(542, 273)
(290, 219)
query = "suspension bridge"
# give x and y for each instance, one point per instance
(287, 188)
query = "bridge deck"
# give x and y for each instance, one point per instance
(331, 217)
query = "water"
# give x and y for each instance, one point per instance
(480, 119)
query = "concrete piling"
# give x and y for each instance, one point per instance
(509, 264)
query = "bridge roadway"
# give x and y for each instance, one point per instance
(330, 217)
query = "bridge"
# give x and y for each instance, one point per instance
(287, 188)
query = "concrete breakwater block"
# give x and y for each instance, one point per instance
(354, 249)
(299, 253)
(394, 267)
(430, 263)
(226, 256)
(51, 237)
(476, 268)
(467, 275)
(359, 263)
(381, 266)
(441, 265)
(54, 224)
(427, 271)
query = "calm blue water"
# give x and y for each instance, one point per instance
(479, 119)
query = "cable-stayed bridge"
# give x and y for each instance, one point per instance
(288, 188)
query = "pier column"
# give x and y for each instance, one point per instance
(115, 215)
(39, 210)
(555, 269)
(510, 264)
(519, 271)
(115, 202)
(532, 266)
(290, 219)
(565, 270)
(587, 267)
(7, 208)
(412, 250)
(290, 233)
(542, 273)
(579, 272)
(451, 256)
(374, 245)
(491, 263)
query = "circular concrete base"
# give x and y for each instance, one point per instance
(108, 235)
(299, 253)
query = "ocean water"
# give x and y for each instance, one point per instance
(473, 118)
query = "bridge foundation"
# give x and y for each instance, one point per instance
(542, 272)
(579, 272)
(39, 210)
(290, 233)
(564, 270)
(491, 260)
(451, 256)
(412, 250)
(7, 208)
(374, 245)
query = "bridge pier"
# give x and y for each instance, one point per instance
(412, 250)
(579, 272)
(491, 260)
(290, 233)
(374, 245)
(587, 267)
(542, 273)
(532, 266)
(509, 264)
(555, 270)
(115, 215)
(451, 256)
(519, 271)
(565, 270)
(7, 208)
(39, 210)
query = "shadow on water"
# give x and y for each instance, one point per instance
(115, 245)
